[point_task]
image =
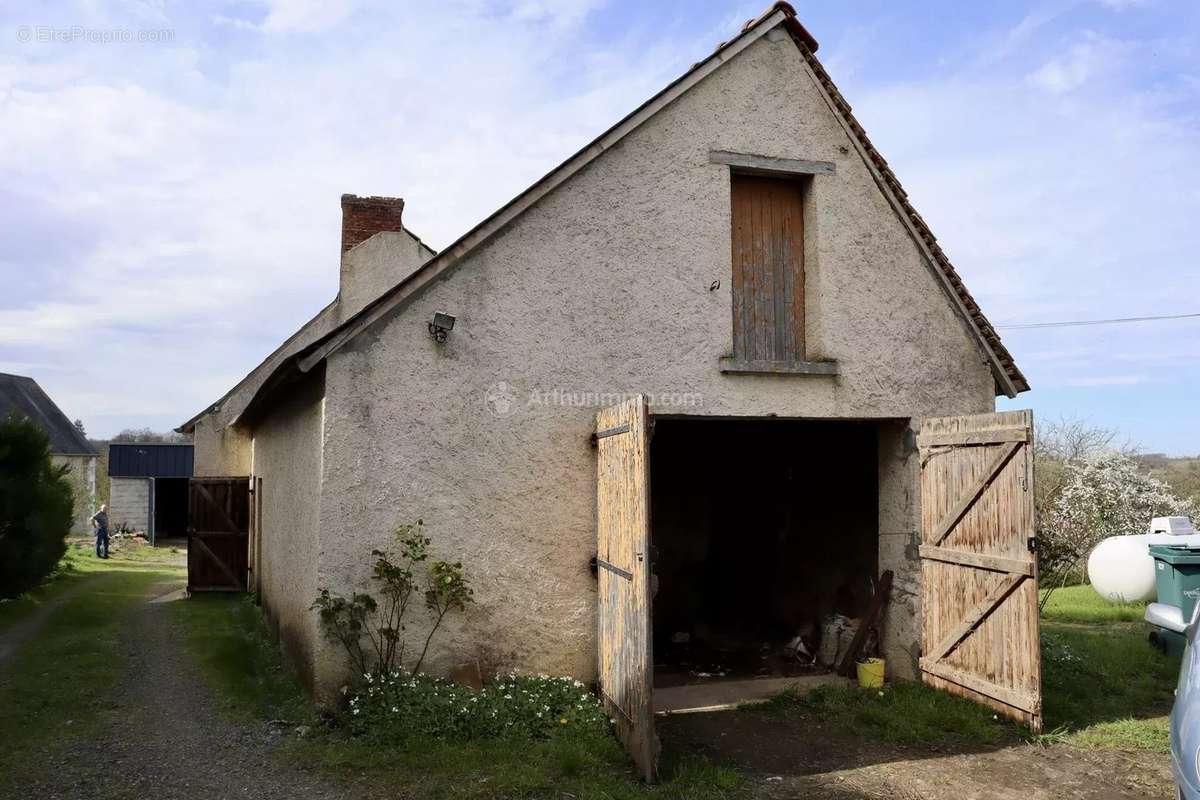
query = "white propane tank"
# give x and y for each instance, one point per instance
(1121, 569)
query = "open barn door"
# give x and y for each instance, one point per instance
(218, 534)
(978, 566)
(623, 572)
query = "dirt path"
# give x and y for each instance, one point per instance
(168, 738)
(786, 758)
(19, 633)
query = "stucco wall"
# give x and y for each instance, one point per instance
(604, 288)
(372, 267)
(83, 487)
(366, 271)
(129, 504)
(287, 456)
(220, 450)
(899, 536)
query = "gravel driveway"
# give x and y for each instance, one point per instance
(168, 738)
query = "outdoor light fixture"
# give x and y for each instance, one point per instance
(441, 325)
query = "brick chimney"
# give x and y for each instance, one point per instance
(363, 217)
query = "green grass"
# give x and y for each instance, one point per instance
(232, 645)
(79, 563)
(227, 637)
(903, 713)
(575, 766)
(54, 685)
(1082, 604)
(1103, 685)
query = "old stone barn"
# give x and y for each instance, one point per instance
(705, 382)
(23, 397)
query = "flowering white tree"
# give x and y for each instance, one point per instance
(1102, 494)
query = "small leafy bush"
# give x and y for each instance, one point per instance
(381, 623)
(394, 707)
(36, 507)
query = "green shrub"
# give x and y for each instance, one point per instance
(394, 707)
(36, 507)
(350, 620)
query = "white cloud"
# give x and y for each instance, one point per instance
(170, 206)
(305, 16)
(181, 203)
(1083, 61)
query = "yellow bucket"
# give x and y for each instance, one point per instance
(870, 673)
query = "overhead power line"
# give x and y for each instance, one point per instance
(1082, 322)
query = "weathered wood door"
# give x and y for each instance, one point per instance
(978, 566)
(768, 269)
(218, 534)
(623, 572)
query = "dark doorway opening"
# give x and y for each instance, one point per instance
(170, 508)
(762, 532)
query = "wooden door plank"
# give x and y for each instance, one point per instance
(997, 436)
(972, 494)
(973, 617)
(1025, 702)
(980, 560)
(624, 642)
(232, 526)
(980, 624)
(221, 565)
(768, 268)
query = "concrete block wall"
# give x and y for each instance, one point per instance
(129, 504)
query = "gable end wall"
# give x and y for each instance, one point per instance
(601, 289)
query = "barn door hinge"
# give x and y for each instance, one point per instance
(614, 569)
(604, 434)
(1033, 544)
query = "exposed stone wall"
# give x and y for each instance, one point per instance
(129, 504)
(604, 288)
(83, 488)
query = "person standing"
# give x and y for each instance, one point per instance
(100, 525)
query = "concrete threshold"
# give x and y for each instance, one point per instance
(728, 695)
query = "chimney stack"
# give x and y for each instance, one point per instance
(363, 217)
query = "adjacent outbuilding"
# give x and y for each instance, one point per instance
(149, 488)
(23, 396)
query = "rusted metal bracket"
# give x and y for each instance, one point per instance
(600, 562)
(604, 434)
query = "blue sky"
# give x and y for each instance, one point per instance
(171, 213)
